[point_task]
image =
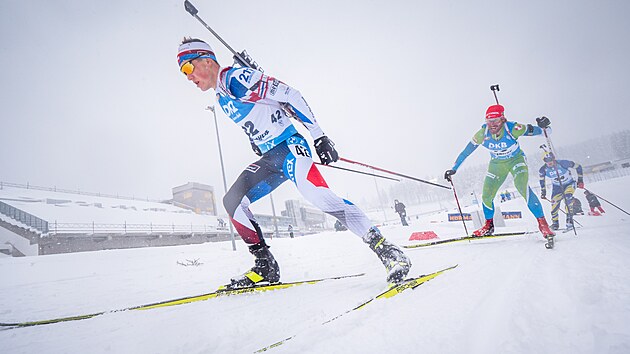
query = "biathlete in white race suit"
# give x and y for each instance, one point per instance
(254, 101)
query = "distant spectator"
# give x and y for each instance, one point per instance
(339, 226)
(401, 210)
(290, 228)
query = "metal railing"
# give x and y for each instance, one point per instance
(24, 217)
(148, 229)
(605, 175)
(125, 228)
(60, 190)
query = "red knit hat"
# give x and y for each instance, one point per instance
(494, 111)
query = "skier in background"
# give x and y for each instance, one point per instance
(593, 203)
(500, 137)
(577, 206)
(563, 186)
(402, 211)
(256, 103)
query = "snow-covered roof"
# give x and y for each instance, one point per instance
(73, 208)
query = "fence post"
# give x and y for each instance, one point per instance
(93, 228)
(125, 227)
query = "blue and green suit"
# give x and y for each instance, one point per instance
(506, 157)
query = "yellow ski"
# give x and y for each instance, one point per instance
(222, 291)
(392, 291)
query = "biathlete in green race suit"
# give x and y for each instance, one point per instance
(506, 157)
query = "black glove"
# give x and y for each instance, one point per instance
(543, 194)
(255, 148)
(448, 174)
(543, 122)
(326, 150)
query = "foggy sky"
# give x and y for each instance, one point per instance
(92, 99)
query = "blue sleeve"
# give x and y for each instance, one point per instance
(537, 130)
(464, 154)
(533, 130)
(542, 172)
(241, 82)
(567, 164)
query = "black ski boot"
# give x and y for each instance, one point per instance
(265, 270)
(392, 257)
(555, 225)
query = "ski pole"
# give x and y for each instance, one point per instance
(392, 172)
(458, 207)
(564, 195)
(564, 212)
(606, 201)
(355, 171)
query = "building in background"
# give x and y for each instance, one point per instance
(266, 222)
(196, 197)
(306, 218)
(38, 220)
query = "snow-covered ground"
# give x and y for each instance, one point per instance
(508, 295)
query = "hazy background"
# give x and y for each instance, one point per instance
(91, 97)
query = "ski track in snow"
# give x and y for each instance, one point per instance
(508, 295)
